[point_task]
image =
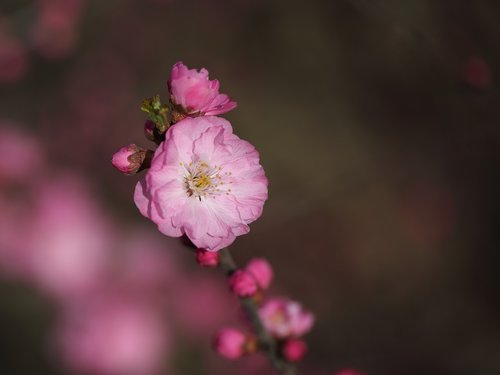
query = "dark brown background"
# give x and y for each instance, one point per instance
(382, 159)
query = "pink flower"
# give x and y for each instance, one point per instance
(284, 318)
(112, 337)
(195, 93)
(70, 239)
(207, 258)
(262, 272)
(243, 283)
(23, 155)
(204, 182)
(294, 350)
(13, 59)
(230, 343)
(129, 159)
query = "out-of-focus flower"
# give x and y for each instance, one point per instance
(15, 250)
(294, 350)
(204, 182)
(70, 239)
(230, 343)
(477, 73)
(112, 337)
(243, 283)
(22, 154)
(284, 318)
(262, 271)
(194, 93)
(129, 159)
(13, 59)
(196, 291)
(144, 266)
(207, 258)
(55, 31)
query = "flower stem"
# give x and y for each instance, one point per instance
(266, 342)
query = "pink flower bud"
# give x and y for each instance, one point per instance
(294, 350)
(149, 130)
(207, 258)
(262, 271)
(230, 343)
(129, 159)
(242, 283)
(194, 93)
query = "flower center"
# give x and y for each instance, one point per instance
(278, 317)
(202, 180)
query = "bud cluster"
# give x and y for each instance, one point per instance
(192, 94)
(285, 320)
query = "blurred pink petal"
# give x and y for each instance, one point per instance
(218, 306)
(113, 337)
(285, 318)
(230, 343)
(13, 59)
(55, 32)
(71, 239)
(22, 155)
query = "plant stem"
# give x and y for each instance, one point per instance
(266, 342)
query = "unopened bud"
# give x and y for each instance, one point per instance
(230, 343)
(207, 258)
(243, 284)
(129, 159)
(149, 130)
(262, 272)
(293, 350)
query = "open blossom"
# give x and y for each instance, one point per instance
(195, 93)
(284, 318)
(204, 182)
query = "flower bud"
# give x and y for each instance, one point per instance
(207, 258)
(294, 350)
(230, 343)
(242, 283)
(262, 271)
(149, 130)
(129, 159)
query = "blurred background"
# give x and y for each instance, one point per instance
(378, 127)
